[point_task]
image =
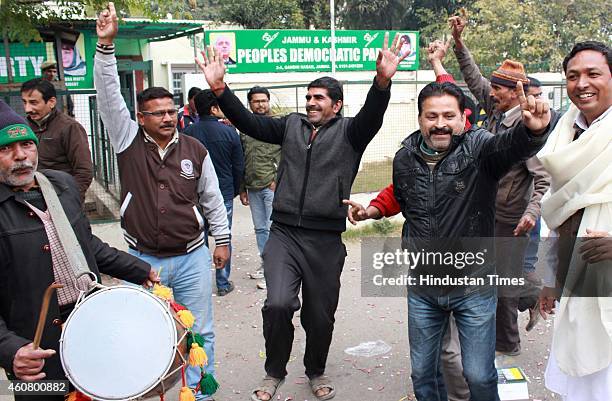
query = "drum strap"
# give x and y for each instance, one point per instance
(66, 235)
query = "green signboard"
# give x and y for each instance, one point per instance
(25, 62)
(307, 50)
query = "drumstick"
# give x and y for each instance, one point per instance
(44, 308)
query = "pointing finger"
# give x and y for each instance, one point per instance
(521, 95)
(531, 102)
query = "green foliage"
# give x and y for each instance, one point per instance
(378, 228)
(263, 14)
(372, 14)
(19, 19)
(383, 226)
(316, 13)
(537, 33)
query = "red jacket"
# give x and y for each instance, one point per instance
(385, 201)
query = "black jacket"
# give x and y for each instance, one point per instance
(26, 270)
(313, 177)
(457, 198)
(225, 149)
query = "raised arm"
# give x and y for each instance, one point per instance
(112, 108)
(267, 129)
(436, 51)
(368, 121)
(476, 82)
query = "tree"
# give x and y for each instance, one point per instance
(316, 13)
(537, 33)
(263, 14)
(372, 14)
(19, 19)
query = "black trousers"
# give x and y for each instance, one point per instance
(312, 259)
(510, 252)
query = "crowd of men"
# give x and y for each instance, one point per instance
(452, 179)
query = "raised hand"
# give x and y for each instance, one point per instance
(106, 25)
(388, 60)
(457, 25)
(437, 50)
(213, 68)
(536, 112)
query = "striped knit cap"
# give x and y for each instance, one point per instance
(509, 74)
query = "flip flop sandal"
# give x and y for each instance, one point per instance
(321, 382)
(268, 385)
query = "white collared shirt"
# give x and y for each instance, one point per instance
(581, 120)
(162, 152)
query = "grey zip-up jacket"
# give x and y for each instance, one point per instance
(520, 191)
(313, 176)
(162, 197)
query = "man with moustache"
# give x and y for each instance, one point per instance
(320, 153)
(517, 206)
(168, 188)
(257, 188)
(445, 180)
(34, 256)
(63, 140)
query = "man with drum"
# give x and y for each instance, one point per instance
(34, 256)
(168, 188)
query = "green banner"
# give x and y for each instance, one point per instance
(307, 50)
(26, 61)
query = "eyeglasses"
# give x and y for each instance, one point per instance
(160, 113)
(264, 101)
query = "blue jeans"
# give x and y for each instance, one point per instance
(531, 253)
(260, 202)
(191, 281)
(475, 318)
(222, 275)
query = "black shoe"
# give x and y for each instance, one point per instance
(224, 291)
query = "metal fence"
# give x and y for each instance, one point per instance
(102, 202)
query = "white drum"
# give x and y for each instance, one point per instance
(122, 343)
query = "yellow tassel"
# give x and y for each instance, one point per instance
(186, 394)
(197, 355)
(162, 292)
(186, 317)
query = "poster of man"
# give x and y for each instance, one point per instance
(225, 44)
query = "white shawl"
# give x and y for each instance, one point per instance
(581, 177)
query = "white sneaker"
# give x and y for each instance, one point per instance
(257, 274)
(261, 284)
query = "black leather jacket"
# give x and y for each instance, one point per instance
(457, 198)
